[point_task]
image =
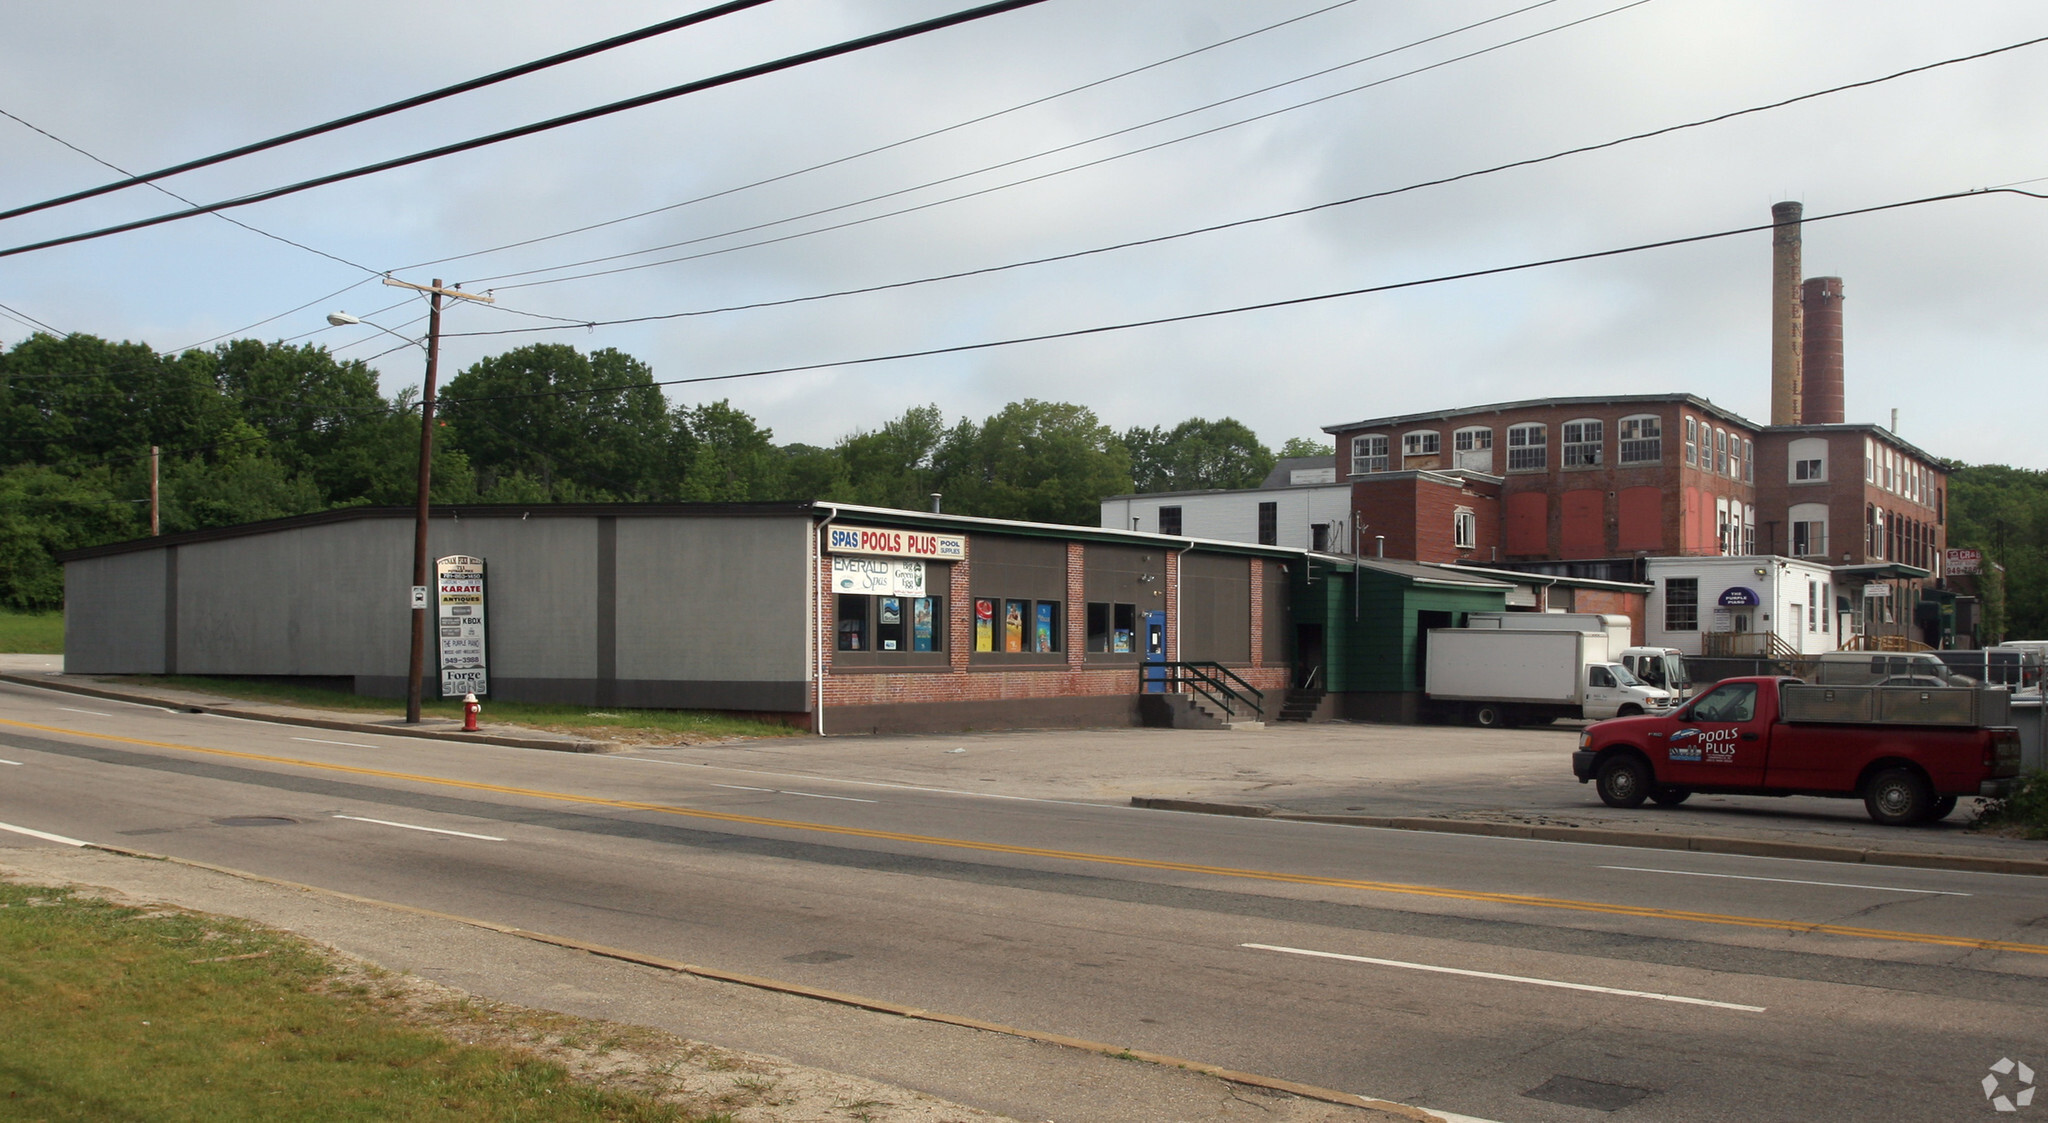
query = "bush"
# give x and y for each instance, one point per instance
(2023, 812)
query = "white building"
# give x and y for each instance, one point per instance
(1760, 606)
(1300, 504)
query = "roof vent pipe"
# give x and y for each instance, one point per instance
(1379, 541)
(935, 501)
(1895, 421)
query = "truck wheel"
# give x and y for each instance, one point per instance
(1670, 797)
(1629, 711)
(1489, 716)
(1898, 797)
(1623, 781)
(1942, 806)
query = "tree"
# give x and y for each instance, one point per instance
(2003, 511)
(583, 427)
(44, 511)
(79, 400)
(1041, 461)
(1197, 455)
(1306, 446)
(894, 466)
(321, 418)
(728, 457)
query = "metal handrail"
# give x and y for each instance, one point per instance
(1209, 680)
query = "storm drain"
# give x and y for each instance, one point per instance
(1598, 1095)
(254, 821)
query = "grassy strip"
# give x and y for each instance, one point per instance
(2023, 812)
(32, 633)
(664, 726)
(112, 1012)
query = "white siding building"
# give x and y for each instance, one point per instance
(1737, 604)
(1306, 516)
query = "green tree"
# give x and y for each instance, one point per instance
(1042, 461)
(2003, 511)
(322, 419)
(80, 400)
(894, 465)
(1306, 446)
(591, 426)
(44, 511)
(727, 457)
(1197, 455)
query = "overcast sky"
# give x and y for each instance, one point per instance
(1947, 303)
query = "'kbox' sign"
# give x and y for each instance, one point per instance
(895, 543)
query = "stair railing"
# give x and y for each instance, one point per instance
(1214, 681)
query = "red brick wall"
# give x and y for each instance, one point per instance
(1418, 518)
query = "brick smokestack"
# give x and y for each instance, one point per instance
(1785, 314)
(1820, 362)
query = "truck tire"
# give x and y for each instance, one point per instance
(1623, 781)
(1670, 797)
(1489, 715)
(1898, 797)
(1629, 711)
(1942, 806)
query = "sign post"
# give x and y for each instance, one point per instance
(459, 581)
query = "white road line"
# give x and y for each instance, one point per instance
(744, 788)
(15, 763)
(779, 791)
(42, 835)
(1790, 881)
(350, 744)
(431, 830)
(1509, 978)
(95, 713)
(877, 784)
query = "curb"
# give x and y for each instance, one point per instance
(1648, 840)
(841, 998)
(505, 740)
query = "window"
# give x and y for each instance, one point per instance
(1582, 441)
(1464, 528)
(1735, 701)
(1269, 524)
(1749, 529)
(1869, 461)
(1748, 461)
(1528, 447)
(1681, 604)
(1692, 441)
(1169, 520)
(1368, 454)
(1804, 470)
(1112, 628)
(1014, 625)
(1472, 440)
(1810, 539)
(1642, 439)
(1319, 537)
(1721, 451)
(1597, 675)
(1827, 605)
(1813, 606)
(890, 624)
(1423, 443)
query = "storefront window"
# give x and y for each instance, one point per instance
(1013, 624)
(885, 624)
(1112, 628)
(853, 623)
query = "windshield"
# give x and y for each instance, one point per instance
(1623, 678)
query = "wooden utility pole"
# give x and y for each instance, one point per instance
(155, 523)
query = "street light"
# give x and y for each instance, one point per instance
(417, 667)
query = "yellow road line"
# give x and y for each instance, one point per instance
(1394, 887)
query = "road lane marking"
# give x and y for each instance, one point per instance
(1790, 881)
(42, 835)
(1640, 912)
(431, 830)
(95, 713)
(350, 744)
(862, 783)
(1561, 985)
(15, 763)
(779, 791)
(744, 788)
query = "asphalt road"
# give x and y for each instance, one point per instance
(1495, 978)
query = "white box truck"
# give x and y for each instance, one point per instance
(1495, 677)
(1656, 666)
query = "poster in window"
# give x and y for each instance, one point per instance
(1013, 625)
(921, 624)
(892, 613)
(1043, 637)
(1121, 642)
(984, 625)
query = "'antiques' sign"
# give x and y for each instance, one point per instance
(895, 543)
(459, 581)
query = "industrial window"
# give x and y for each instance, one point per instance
(1112, 628)
(1721, 452)
(869, 623)
(1827, 605)
(1734, 457)
(1748, 461)
(1692, 441)
(1528, 447)
(1427, 442)
(1472, 440)
(1869, 461)
(1368, 454)
(1808, 470)
(1016, 625)
(1582, 441)
(1810, 539)
(1749, 529)
(1169, 520)
(1681, 604)
(1813, 606)
(1642, 439)
(1464, 528)
(1269, 524)
(1319, 537)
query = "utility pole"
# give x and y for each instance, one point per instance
(155, 524)
(421, 577)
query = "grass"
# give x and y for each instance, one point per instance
(32, 633)
(114, 1012)
(2023, 812)
(650, 726)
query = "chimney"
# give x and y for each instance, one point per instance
(1820, 362)
(1785, 314)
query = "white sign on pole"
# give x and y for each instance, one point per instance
(460, 582)
(878, 577)
(419, 596)
(1875, 590)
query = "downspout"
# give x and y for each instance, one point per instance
(816, 600)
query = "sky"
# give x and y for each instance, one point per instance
(1944, 317)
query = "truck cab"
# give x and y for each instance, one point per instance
(1662, 667)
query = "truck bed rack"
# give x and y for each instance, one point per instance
(1896, 705)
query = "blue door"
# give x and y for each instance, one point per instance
(1155, 652)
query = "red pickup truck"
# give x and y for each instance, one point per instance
(1907, 752)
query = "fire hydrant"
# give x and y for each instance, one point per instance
(470, 708)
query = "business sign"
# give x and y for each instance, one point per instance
(878, 577)
(895, 543)
(1965, 561)
(1739, 597)
(1877, 591)
(459, 583)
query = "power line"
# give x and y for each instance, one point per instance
(394, 107)
(847, 47)
(29, 321)
(906, 140)
(1297, 211)
(1058, 149)
(1267, 305)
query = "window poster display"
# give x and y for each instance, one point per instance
(984, 624)
(892, 622)
(921, 624)
(459, 583)
(1046, 626)
(1013, 625)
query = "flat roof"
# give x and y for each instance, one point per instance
(1693, 400)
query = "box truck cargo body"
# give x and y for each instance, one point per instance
(1502, 677)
